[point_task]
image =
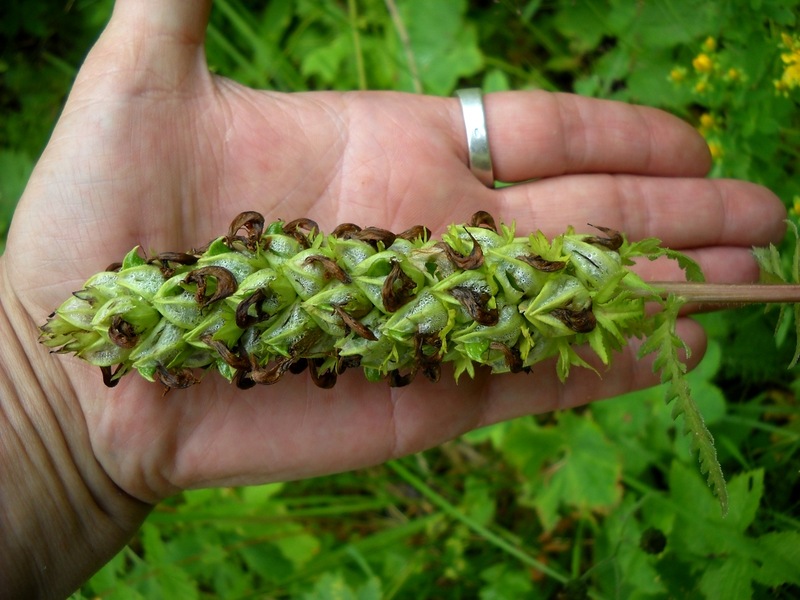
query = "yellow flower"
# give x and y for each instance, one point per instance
(796, 205)
(716, 149)
(701, 86)
(790, 78)
(709, 45)
(707, 122)
(733, 74)
(702, 63)
(677, 75)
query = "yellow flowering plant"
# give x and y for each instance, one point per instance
(790, 78)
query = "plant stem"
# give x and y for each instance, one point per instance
(481, 530)
(729, 294)
(360, 70)
(402, 33)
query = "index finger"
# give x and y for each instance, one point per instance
(535, 134)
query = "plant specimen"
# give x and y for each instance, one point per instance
(268, 299)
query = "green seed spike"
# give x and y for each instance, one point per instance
(270, 299)
(267, 299)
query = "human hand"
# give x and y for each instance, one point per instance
(154, 150)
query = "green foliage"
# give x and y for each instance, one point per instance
(41, 45)
(501, 513)
(572, 465)
(771, 264)
(417, 46)
(666, 344)
(16, 167)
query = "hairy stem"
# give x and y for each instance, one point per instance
(729, 294)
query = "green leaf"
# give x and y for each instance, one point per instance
(111, 575)
(780, 558)
(327, 60)
(665, 343)
(478, 502)
(170, 580)
(174, 582)
(152, 544)
(700, 529)
(495, 81)
(583, 24)
(503, 581)
(689, 265)
(445, 47)
(730, 579)
(16, 167)
(333, 586)
(132, 259)
(572, 465)
(257, 495)
(620, 539)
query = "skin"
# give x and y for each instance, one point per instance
(152, 149)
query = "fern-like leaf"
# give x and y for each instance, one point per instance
(666, 344)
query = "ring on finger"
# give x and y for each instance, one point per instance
(480, 159)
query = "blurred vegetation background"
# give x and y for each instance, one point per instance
(605, 502)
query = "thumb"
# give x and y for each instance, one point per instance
(155, 44)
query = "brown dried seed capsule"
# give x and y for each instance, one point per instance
(253, 224)
(293, 228)
(226, 354)
(269, 374)
(242, 380)
(432, 371)
(427, 339)
(121, 333)
(302, 223)
(483, 219)
(612, 242)
(108, 376)
(179, 258)
(177, 379)
(226, 284)
(345, 230)
(353, 324)
(298, 366)
(330, 267)
(243, 317)
(347, 362)
(398, 288)
(168, 260)
(416, 232)
(473, 261)
(373, 235)
(202, 249)
(511, 355)
(114, 267)
(474, 303)
(324, 380)
(580, 321)
(395, 379)
(430, 365)
(542, 264)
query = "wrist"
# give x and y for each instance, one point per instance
(62, 517)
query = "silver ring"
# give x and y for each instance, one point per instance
(480, 160)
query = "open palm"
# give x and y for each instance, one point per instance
(155, 151)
